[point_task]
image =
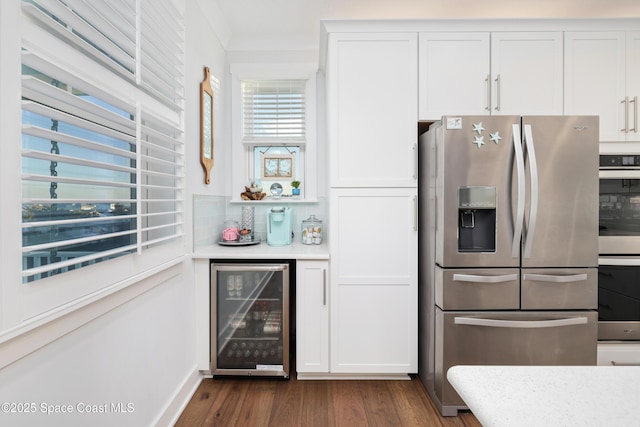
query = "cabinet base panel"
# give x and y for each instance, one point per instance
(332, 376)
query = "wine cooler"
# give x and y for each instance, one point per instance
(250, 319)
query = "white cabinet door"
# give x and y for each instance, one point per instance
(454, 74)
(526, 73)
(372, 89)
(374, 284)
(633, 85)
(594, 80)
(490, 73)
(312, 316)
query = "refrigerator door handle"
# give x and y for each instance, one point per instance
(533, 213)
(519, 158)
(555, 279)
(523, 324)
(484, 279)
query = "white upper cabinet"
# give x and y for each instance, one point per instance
(454, 73)
(372, 84)
(485, 73)
(602, 77)
(526, 73)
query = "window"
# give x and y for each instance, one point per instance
(102, 149)
(275, 116)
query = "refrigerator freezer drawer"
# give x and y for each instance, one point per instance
(511, 338)
(477, 289)
(560, 289)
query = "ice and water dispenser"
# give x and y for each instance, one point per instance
(477, 219)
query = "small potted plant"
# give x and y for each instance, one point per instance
(295, 188)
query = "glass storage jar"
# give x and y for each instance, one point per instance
(230, 231)
(312, 231)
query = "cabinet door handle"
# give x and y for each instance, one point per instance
(498, 92)
(488, 83)
(635, 115)
(415, 213)
(324, 287)
(625, 101)
(415, 161)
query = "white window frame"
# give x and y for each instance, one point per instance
(242, 156)
(26, 307)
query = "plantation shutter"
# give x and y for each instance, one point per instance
(102, 174)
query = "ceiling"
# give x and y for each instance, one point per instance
(297, 22)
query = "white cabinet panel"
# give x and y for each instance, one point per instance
(372, 109)
(454, 73)
(312, 316)
(373, 240)
(484, 73)
(526, 72)
(374, 329)
(595, 79)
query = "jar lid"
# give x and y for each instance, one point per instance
(312, 218)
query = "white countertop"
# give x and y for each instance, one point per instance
(262, 250)
(537, 396)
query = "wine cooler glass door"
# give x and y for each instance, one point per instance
(250, 326)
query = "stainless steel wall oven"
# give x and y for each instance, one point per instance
(619, 248)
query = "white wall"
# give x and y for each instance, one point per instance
(140, 354)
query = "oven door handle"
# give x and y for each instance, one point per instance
(528, 324)
(554, 278)
(619, 174)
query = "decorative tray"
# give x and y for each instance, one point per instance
(234, 243)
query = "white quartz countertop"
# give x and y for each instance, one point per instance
(262, 250)
(538, 396)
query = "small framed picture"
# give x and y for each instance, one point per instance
(277, 166)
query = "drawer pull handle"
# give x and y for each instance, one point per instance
(528, 324)
(484, 279)
(555, 279)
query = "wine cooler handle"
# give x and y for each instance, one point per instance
(555, 279)
(528, 324)
(252, 268)
(484, 279)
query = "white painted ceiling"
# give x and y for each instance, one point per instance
(297, 22)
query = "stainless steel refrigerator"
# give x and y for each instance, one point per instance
(508, 245)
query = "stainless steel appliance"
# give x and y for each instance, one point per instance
(619, 246)
(250, 319)
(619, 204)
(508, 242)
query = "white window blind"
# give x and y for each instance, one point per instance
(102, 176)
(273, 110)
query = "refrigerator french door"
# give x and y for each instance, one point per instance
(250, 319)
(509, 236)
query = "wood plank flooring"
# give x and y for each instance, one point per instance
(254, 402)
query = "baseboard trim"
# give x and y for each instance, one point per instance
(180, 399)
(332, 376)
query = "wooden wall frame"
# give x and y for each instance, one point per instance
(206, 125)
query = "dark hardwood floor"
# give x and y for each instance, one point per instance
(252, 402)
